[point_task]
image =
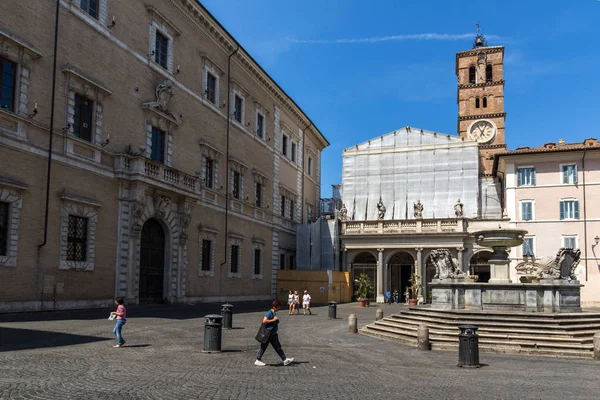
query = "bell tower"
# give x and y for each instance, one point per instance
(480, 98)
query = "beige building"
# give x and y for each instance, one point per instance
(179, 168)
(550, 191)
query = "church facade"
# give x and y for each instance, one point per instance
(412, 191)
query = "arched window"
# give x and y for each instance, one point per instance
(488, 73)
(485, 102)
(476, 102)
(472, 74)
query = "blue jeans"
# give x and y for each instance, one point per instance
(117, 331)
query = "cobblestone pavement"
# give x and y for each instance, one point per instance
(69, 355)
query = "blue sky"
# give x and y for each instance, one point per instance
(329, 56)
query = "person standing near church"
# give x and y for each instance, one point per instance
(306, 302)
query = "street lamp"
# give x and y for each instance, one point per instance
(597, 240)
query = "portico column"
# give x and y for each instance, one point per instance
(420, 270)
(380, 297)
(460, 258)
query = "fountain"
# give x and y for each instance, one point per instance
(551, 286)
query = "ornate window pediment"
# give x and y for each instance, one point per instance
(163, 92)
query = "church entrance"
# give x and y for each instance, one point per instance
(152, 262)
(400, 268)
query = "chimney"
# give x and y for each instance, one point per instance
(561, 142)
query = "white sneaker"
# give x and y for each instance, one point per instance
(259, 363)
(288, 361)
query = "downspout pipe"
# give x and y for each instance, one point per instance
(227, 154)
(303, 162)
(585, 241)
(52, 103)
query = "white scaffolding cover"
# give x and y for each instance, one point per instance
(406, 166)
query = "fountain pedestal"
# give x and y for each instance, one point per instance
(499, 266)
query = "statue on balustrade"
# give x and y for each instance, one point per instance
(445, 267)
(343, 213)
(458, 209)
(418, 209)
(381, 210)
(562, 266)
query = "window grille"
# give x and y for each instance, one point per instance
(77, 238)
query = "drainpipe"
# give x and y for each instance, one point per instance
(227, 155)
(51, 126)
(303, 158)
(584, 216)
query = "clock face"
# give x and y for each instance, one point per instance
(482, 131)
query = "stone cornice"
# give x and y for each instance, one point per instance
(202, 19)
(68, 69)
(478, 85)
(155, 13)
(474, 52)
(481, 116)
(33, 52)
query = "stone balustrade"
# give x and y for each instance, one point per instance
(404, 227)
(144, 167)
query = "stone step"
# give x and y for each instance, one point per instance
(436, 337)
(500, 323)
(517, 315)
(483, 348)
(401, 322)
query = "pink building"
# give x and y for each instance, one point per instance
(552, 192)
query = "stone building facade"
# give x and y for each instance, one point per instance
(550, 192)
(179, 168)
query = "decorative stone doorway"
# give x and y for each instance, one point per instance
(152, 262)
(480, 266)
(400, 268)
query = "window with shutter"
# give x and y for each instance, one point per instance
(527, 247)
(8, 79)
(235, 250)
(206, 255)
(236, 185)
(82, 118)
(570, 242)
(569, 174)
(526, 176)
(257, 256)
(527, 210)
(569, 209)
(157, 152)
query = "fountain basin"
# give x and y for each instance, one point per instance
(500, 237)
(557, 296)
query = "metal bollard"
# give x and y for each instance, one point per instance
(468, 347)
(332, 310)
(352, 324)
(212, 333)
(597, 346)
(227, 313)
(378, 314)
(423, 337)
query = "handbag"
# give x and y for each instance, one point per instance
(263, 335)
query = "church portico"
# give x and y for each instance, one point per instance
(393, 256)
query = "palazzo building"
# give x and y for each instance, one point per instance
(178, 167)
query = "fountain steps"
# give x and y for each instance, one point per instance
(483, 332)
(506, 324)
(569, 335)
(484, 347)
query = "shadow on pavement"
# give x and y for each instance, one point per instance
(168, 311)
(22, 339)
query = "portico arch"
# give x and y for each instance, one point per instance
(479, 264)
(399, 267)
(364, 262)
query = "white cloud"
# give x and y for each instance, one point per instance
(405, 37)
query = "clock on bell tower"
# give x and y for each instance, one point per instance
(480, 99)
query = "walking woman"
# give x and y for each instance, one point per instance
(291, 302)
(271, 321)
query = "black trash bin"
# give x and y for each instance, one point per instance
(332, 310)
(227, 313)
(468, 346)
(212, 333)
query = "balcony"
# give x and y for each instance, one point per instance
(410, 227)
(137, 167)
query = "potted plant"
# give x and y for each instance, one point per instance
(364, 291)
(415, 289)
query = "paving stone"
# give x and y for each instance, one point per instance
(69, 355)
